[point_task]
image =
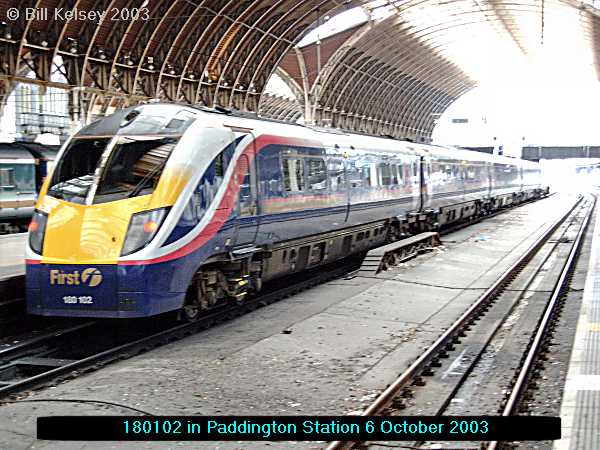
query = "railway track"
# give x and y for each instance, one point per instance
(487, 361)
(54, 352)
(64, 354)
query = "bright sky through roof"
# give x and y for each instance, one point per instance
(376, 10)
(548, 96)
(334, 25)
(549, 112)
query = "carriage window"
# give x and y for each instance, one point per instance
(7, 178)
(335, 168)
(394, 171)
(317, 174)
(400, 175)
(293, 174)
(246, 199)
(354, 175)
(366, 176)
(385, 171)
(415, 169)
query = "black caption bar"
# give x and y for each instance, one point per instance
(297, 428)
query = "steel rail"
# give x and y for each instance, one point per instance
(520, 385)
(36, 342)
(556, 240)
(424, 360)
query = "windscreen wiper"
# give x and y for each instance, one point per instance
(138, 187)
(55, 193)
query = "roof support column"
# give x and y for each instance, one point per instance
(309, 117)
(80, 103)
(5, 90)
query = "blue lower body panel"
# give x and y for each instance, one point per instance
(109, 291)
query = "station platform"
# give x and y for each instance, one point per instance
(326, 351)
(12, 255)
(580, 409)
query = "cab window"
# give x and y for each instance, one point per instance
(74, 173)
(134, 167)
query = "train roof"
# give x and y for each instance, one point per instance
(42, 151)
(359, 140)
(10, 151)
(161, 116)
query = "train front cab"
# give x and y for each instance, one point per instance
(100, 231)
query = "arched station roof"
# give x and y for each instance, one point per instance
(196, 51)
(393, 75)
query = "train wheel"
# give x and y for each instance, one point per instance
(192, 308)
(189, 313)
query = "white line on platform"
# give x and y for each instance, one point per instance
(576, 381)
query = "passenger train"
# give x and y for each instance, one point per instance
(165, 207)
(23, 167)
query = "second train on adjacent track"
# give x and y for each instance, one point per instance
(166, 207)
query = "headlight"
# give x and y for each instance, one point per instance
(37, 229)
(142, 229)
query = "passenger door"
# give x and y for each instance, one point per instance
(246, 208)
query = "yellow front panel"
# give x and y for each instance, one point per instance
(82, 234)
(170, 185)
(94, 234)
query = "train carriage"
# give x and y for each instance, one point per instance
(17, 184)
(170, 207)
(23, 168)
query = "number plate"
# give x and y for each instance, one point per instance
(81, 300)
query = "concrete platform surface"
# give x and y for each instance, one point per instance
(580, 408)
(349, 339)
(12, 255)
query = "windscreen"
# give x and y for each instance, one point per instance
(74, 173)
(133, 167)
